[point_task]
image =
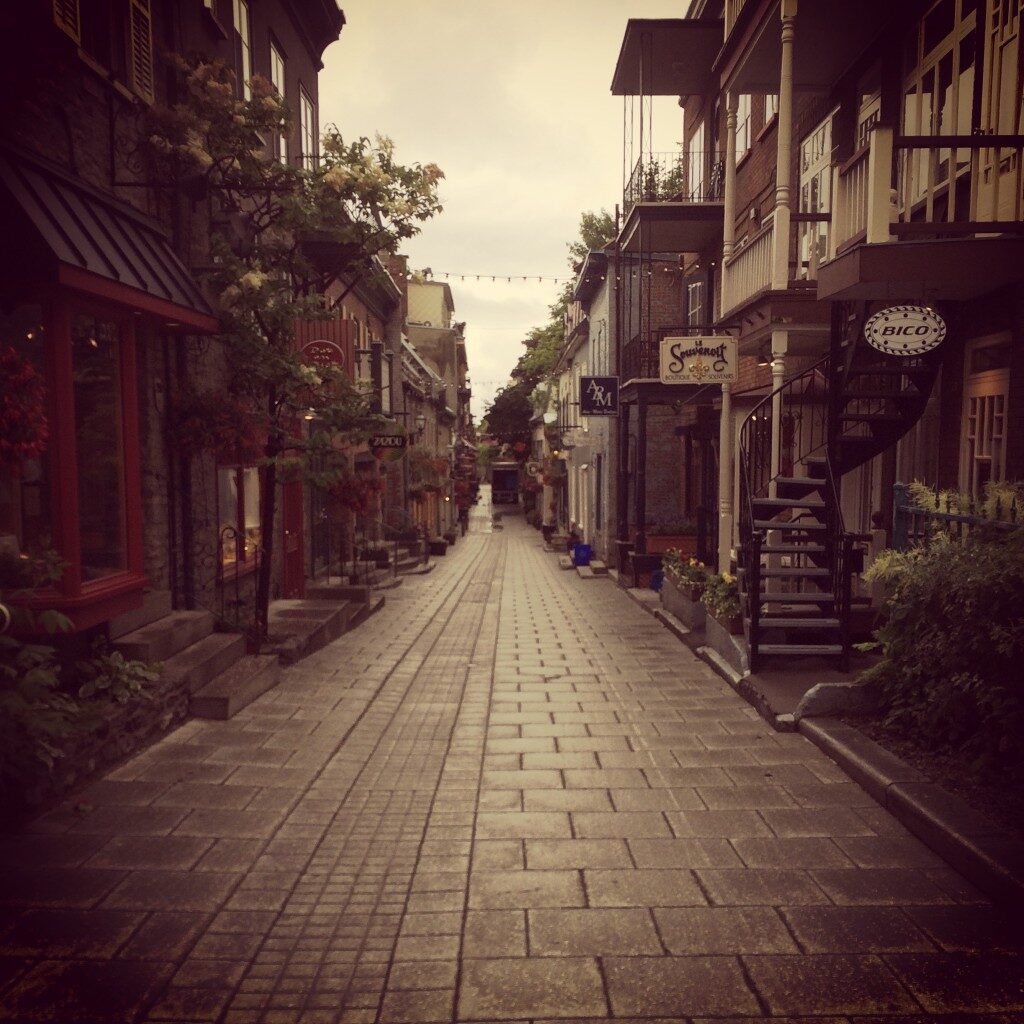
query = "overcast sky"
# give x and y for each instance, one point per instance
(513, 101)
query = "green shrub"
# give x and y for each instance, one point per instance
(684, 571)
(952, 646)
(721, 596)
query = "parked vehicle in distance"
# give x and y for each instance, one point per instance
(505, 483)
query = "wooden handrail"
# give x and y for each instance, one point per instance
(958, 141)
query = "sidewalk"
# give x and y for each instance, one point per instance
(512, 795)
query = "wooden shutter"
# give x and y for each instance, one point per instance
(66, 18)
(140, 36)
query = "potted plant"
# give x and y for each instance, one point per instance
(684, 585)
(376, 551)
(438, 546)
(721, 598)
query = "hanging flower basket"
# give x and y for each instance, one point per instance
(357, 492)
(220, 422)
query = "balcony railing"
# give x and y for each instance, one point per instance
(749, 270)
(927, 186)
(641, 354)
(732, 13)
(678, 177)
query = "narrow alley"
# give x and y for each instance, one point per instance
(510, 796)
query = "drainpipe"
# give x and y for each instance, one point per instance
(729, 199)
(725, 472)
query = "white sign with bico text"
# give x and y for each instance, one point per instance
(707, 359)
(905, 330)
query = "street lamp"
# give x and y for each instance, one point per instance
(421, 423)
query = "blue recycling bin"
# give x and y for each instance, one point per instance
(581, 554)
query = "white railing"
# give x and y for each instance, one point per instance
(748, 271)
(849, 200)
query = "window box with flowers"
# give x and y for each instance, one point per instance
(683, 588)
(721, 598)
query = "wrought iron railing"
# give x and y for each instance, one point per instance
(641, 354)
(956, 516)
(236, 582)
(676, 177)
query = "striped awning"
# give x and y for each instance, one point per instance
(103, 246)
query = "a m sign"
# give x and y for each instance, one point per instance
(599, 396)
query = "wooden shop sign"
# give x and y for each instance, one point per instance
(710, 359)
(905, 330)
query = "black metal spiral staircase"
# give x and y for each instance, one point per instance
(796, 558)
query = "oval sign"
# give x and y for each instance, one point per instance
(322, 352)
(905, 330)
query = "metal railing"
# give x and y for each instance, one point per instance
(677, 177)
(641, 354)
(959, 517)
(749, 270)
(236, 582)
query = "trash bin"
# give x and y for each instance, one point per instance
(581, 554)
(657, 579)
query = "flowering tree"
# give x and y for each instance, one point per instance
(282, 237)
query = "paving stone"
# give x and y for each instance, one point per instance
(84, 934)
(802, 852)
(532, 825)
(897, 886)
(495, 933)
(567, 800)
(963, 929)
(775, 887)
(958, 982)
(514, 989)
(577, 853)
(683, 853)
(167, 852)
(171, 890)
(492, 890)
(724, 930)
(812, 985)
(678, 986)
(617, 932)
(664, 888)
(855, 930)
(725, 824)
(625, 824)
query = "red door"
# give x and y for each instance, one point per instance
(293, 568)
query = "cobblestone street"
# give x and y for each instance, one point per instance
(511, 795)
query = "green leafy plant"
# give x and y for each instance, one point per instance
(109, 675)
(952, 644)
(721, 596)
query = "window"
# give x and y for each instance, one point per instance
(771, 106)
(815, 197)
(243, 47)
(25, 523)
(99, 448)
(695, 303)
(277, 80)
(983, 429)
(307, 127)
(938, 90)
(238, 508)
(742, 126)
(695, 165)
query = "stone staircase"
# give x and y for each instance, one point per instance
(213, 668)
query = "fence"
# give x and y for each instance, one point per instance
(915, 526)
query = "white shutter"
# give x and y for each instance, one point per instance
(140, 35)
(66, 18)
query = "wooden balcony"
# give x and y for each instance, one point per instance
(916, 214)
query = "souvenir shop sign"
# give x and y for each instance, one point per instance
(710, 359)
(905, 330)
(599, 396)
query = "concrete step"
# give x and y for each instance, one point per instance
(164, 638)
(585, 572)
(238, 686)
(197, 665)
(307, 625)
(372, 606)
(600, 569)
(156, 604)
(337, 592)
(419, 569)
(564, 562)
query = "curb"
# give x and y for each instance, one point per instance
(980, 850)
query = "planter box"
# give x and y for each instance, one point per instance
(682, 604)
(684, 543)
(439, 547)
(732, 648)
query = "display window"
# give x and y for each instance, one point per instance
(238, 510)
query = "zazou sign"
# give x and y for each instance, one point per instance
(905, 330)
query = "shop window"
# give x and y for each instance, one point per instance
(695, 315)
(25, 524)
(99, 448)
(277, 79)
(771, 107)
(238, 507)
(307, 130)
(986, 398)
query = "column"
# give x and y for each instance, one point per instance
(780, 344)
(725, 463)
(641, 475)
(784, 151)
(622, 486)
(729, 199)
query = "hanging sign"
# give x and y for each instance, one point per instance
(599, 396)
(323, 353)
(905, 330)
(710, 359)
(389, 446)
